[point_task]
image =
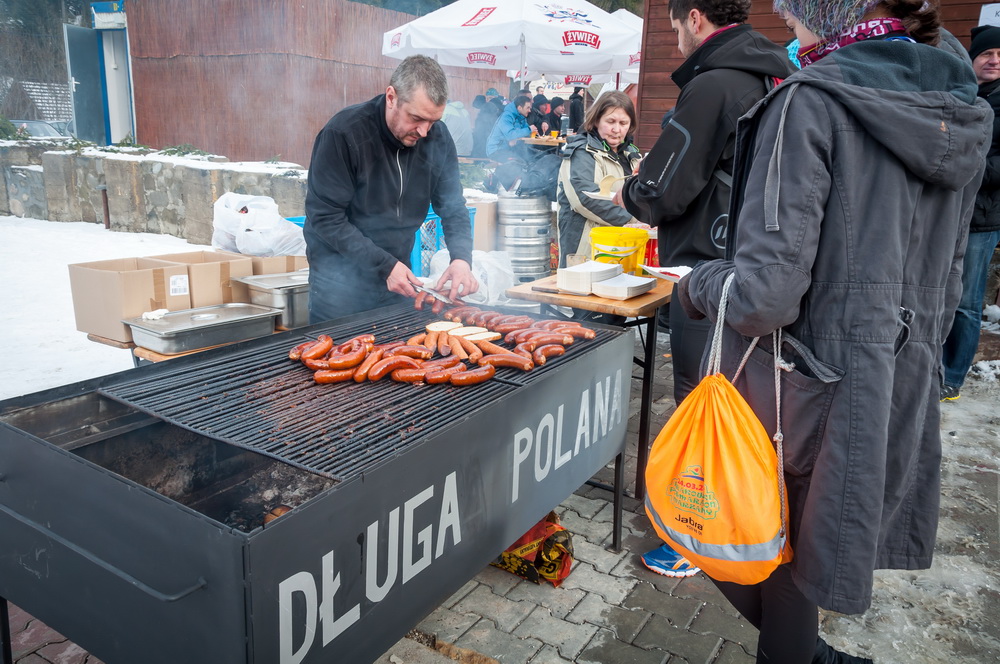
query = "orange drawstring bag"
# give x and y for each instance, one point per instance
(715, 490)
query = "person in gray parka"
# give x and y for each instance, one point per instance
(851, 201)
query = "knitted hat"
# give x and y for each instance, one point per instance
(826, 18)
(492, 92)
(557, 102)
(984, 38)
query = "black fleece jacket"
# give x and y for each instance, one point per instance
(683, 183)
(986, 216)
(368, 194)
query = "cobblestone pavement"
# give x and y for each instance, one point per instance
(612, 610)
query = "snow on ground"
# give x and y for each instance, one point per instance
(41, 345)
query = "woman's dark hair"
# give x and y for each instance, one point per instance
(718, 12)
(609, 101)
(922, 19)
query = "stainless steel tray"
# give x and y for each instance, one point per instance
(190, 329)
(288, 291)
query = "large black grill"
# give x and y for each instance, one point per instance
(132, 505)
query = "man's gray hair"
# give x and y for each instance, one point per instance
(420, 71)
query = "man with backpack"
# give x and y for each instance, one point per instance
(683, 185)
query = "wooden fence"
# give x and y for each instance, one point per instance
(257, 79)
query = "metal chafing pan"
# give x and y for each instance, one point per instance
(288, 291)
(190, 329)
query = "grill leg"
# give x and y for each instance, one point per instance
(644, 406)
(6, 655)
(616, 537)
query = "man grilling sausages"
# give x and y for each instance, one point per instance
(376, 167)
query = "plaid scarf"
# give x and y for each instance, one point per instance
(874, 29)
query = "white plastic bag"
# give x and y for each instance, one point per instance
(253, 226)
(492, 269)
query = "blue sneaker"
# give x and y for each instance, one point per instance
(668, 562)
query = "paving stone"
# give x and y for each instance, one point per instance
(64, 653)
(695, 648)
(570, 639)
(603, 559)
(701, 587)
(612, 589)
(559, 601)
(460, 593)
(500, 581)
(713, 620)
(549, 655)
(595, 531)
(506, 648)
(30, 659)
(33, 636)
(604, 648)
(585, 507)
(507, 614)
(733, 653)
(679, 611)
(18, 618)
(447, 625)
(625, 623)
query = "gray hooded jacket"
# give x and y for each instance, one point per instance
(852, 197)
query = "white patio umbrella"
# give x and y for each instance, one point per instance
(619, 79)
(520, 35)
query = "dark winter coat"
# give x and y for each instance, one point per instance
(366, 197)
(586, 160)
(683, 184)
(854, 218)
(987, 214)
(576, 111)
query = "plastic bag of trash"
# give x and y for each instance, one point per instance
(253, 226)
(492, 269)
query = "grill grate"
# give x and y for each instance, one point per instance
(257, 399)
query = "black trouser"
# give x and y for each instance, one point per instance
(788, 622)
(688, 340)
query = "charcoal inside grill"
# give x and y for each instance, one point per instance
(231, 485)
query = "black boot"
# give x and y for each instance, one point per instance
(825, 654)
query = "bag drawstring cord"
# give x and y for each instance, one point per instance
(715, 365)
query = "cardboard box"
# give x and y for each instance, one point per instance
(278, 264)
(211, 274)
(105, 292)
(484, 225)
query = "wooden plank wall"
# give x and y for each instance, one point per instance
(657, 93)
(255, 79)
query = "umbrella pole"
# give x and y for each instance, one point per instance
(524, 64)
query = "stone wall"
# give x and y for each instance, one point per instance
(147, 192)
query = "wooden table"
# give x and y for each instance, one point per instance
(643, 310)
(140, 355)
(544, 141)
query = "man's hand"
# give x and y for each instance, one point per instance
(684, 297)
(462, 282)
(617, 199)
(545, 128)
(400, 279)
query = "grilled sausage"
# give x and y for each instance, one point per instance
(437, 307)
(333, 375)
(444, 362)
(432, 341)
(521, 350)
(418, 352)
(417, 339)
(444, 345)
(419, 302)
(361, 371)
(549, 323)
(349, 344)
(473, 376)
(322, 346)
(437, 376)
(507, 360)
(351, 358)
(549, 350)
(577, 331)
(504, 328)
(470, 348)
(296, 353)
(490, 348)
(389, 364)
(533, 342)
(457, 349)
(409, 375)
